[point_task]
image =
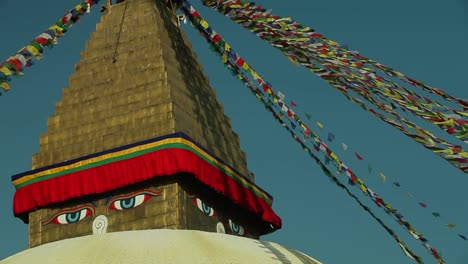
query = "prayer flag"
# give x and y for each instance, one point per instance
(319, 125)
(383, 177)
(5, 85)
(436, 214)
(406, 251)
(358, 156)
(423, 204)
(281, 95)
(345, 147)
(331, 136)
(293, 125)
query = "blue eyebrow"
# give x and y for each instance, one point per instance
(108, 199)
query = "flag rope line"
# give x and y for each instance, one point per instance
(345, 70)
(114, 60)
(229, 57)
(14, 65)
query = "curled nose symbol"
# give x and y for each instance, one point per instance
(100, 225)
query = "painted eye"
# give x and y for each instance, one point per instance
(132, 200)
(237, 229)
(70, 216)
(128, 203)
(204, 207)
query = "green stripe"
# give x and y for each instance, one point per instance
(142, 152)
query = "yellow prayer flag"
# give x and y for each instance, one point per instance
(295, 63)
(384, 178)
(5, 70)
(388, 206)
(58, 30)
(446, 151)
(363, 188)
(334, 157)
(226, 46)
(449, 122)
(301, 39)
(32, 49)
(5, 85)
(319, 125)
(204, 24)
(462, 113)
(255, 75)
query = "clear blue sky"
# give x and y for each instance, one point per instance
(427, 40)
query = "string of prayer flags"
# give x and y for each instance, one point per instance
(267, 96)
(358, 78)
(14, 65)
(419, 135)
(327, 172)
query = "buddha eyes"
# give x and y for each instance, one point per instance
(204, 207)
(129, 201)
(70, 216)
(235, 228)
(120, 203)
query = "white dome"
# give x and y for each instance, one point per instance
(159, 246)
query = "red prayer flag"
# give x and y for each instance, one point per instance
(423, 204)
(217, 38)
(358, 156)
(240, 62)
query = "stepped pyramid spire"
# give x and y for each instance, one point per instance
(139, 141)
(137, 79)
